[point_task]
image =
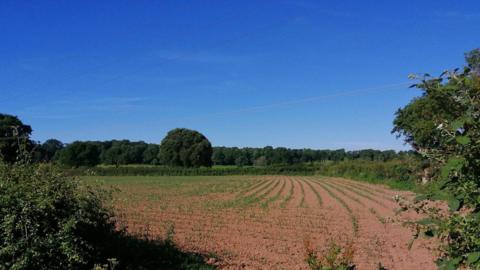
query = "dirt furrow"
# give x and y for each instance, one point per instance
(364, 194)
(383, 242)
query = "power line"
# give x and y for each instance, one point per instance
(345, 93)
(369, 90)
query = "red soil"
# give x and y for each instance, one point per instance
(271, 230)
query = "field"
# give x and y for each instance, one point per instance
(270, 222)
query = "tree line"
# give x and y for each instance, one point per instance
(269, 155)
(180, 148)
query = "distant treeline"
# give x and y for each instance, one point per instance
(123, 152)
(281, 155)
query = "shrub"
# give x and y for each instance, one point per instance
(49, 221)
(399, 174)
(444, 126)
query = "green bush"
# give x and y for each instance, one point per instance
(48, 221)
(399, 174)
(443, 125)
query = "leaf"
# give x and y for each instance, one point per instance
(453, 204)
(463, 140)
(473, 257)
(452, 264)
(453, 164)
(458, 124)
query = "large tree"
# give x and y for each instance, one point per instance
(186, 148)
(12, 132)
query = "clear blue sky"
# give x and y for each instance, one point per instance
(245, 73)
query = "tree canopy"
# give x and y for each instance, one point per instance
(186, 148)
(80, 154)
(12, 130)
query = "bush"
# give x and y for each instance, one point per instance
(399, 174)
(49, 221)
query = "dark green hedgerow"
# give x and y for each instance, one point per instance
(142, 170)
(397, 174)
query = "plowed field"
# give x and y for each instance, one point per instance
(267, 222)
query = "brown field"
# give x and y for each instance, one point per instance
(269, 222)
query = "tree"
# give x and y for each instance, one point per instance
(260, 161)
(150, 155)
(186, 148)
(218, 157)
(49, 148)
(12, 131)
(80, 154)
(444, 126)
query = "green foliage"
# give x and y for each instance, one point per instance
(49, 149)
(80, 154)
(186, 148)
(49, 221)
(150, 155)
(444, 126)
(398, 174)
(335, 257)
(126, 152)
(12, 132)
(281, 155)
(172, 171)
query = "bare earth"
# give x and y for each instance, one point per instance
(267, 222)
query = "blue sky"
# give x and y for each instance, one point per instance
(298, 74)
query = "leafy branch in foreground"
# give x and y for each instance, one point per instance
(444, 126)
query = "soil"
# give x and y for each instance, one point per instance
(283, 219)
